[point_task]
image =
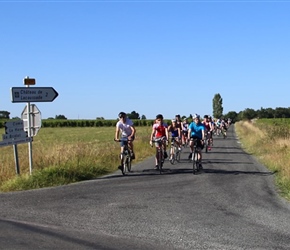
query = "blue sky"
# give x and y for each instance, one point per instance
(151, 57)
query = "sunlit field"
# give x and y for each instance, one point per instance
(65, 155)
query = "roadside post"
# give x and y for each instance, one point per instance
(14, 134)
(31, 115)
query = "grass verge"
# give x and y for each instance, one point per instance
(270, 148)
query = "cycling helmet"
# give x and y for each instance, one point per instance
(195, 116)
(122, 115)
(173, 120)
(159, 116)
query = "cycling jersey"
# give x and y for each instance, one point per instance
(174, 132)
(185, 126)
(159, 129)
(206, 125)
(196, 129)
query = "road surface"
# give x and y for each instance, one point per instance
(232, 204)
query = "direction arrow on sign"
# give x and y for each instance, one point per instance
(33, 94)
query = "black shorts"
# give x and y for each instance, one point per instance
(199, 143)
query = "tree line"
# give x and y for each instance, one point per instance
(217, 112)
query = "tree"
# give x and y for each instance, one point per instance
(249, 114)
(232, 115)
(4, 114)
(143, 117)
(217, 104)
(133, 115)
(60, 117)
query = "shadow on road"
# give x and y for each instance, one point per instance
(236, 172)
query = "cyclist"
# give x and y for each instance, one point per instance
(126, 127)
(159, 129)
(208, 129)
(185, 125)
(178, 122)
(224, 127)
(175, 135)
(196, 131)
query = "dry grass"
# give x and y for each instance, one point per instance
(273, 152)
(78, 149)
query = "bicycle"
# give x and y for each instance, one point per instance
(224, 132)
(194, 158)
(126, 158)
(159, 152)
(174, 151)
(207, 141)
(185, 140)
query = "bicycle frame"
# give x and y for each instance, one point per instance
(126, 159)
(159, 152)
(194, 158)
(207, 141)
(174, 152)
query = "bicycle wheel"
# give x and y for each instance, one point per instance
(173, 156)
(129, 161)
(206, 146)
(160, 161)
(197, 166)
(178, 156)
(123, 168)
(194, 162)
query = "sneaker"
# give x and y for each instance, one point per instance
(156, 167)
(200, 166)
(120, 167)
(190, 156)
(165, 155)
(209, 148)
(179, 149)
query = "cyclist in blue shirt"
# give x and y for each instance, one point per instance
(196, 131)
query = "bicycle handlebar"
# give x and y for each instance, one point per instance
(122, 139)
(159, 140)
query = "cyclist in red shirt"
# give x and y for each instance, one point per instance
(159, 129)
(208, 129)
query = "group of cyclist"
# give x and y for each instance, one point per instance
(182, 132)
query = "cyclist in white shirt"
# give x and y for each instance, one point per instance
(126, 127)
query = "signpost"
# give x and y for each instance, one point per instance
(33, 94)
(14, 134)
(35, 119)
(31, 116)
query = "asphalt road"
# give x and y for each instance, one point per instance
(232, 204)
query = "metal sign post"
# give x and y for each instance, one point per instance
(30, 114)
(29, 135)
